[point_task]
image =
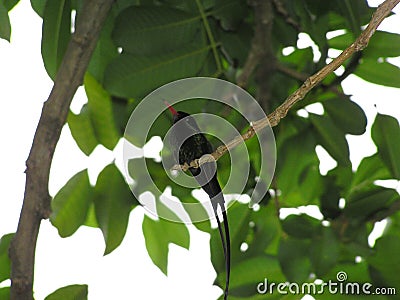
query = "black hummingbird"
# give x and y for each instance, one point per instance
(190, 144)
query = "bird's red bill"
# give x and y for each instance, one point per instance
(171, 109)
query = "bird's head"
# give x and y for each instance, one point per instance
(181, 115)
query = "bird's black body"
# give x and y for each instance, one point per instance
(192, 145)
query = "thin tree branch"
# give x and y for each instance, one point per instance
(350, 68)
(280, 8)
(291, 72)
(360, 43)
(259, 43)
(303, 77)
(279, 113)
(264, 18)
(36, 205)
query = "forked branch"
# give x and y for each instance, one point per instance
(279, 113)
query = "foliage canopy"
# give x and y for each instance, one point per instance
(145, 44)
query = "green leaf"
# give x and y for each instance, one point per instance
(253, 147)
(343, 176)
(237, 44)
(5, 293)
(341, 42)
(254, 270)
(9, 4)
(5, 264)
(301, 59)
(265, 232)
(370, 169)
(324, 251)
(310, 185)
(39, 6)
(195, 212)
(353, 11)
(140, 169)
(5, 26)
(299, 151)
(71, 204)
(239, 218)
(386, 134)
(364, 203)
(105, 50)
(113, 203)
(283, 35)
(233, 181)
(348, 116)
(329, 200)
(154, 30)
(331, 138)
(101, 113)
(82, 130)
(301, 226)
(91, 220)
(95, 123)
(294, 259)
(229, 13)
(267, 296)
(356, 272)
(386, 262)
(140, 133)
(55, 34)
(329, 296)
(353, 232)
(159, 234)
(380, 44)
(122, 110)
(76, 292)
(382, 73)
(132, 76)
(139, 172)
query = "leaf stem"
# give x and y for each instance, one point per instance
(210, 36)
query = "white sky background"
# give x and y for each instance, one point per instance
(128, 271)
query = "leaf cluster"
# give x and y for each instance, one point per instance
(145, 44)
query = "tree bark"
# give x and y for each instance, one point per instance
(36, 204)
(311, 82)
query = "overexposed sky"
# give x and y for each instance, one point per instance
(128, 271)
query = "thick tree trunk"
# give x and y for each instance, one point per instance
(36, 205)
